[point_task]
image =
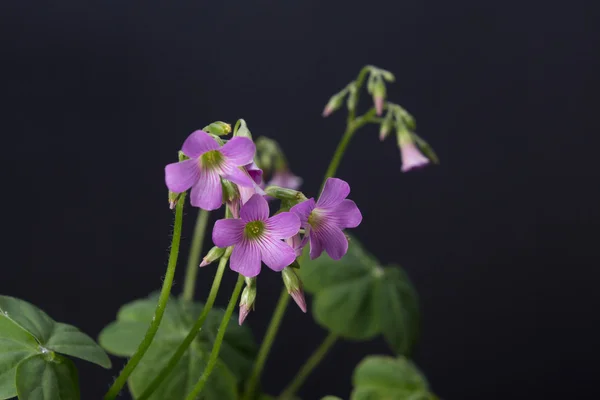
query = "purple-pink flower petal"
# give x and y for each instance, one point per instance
(239, 150)
(227, 232)
(207, 192)
(303, 210)
(348, 215)
(276, 254)
(255, 209)
(197, 143)
(237, 176)
(283, 225)
(285, 179)
(412, 157)
(254, 172)
(245, 258)
(247, 192)
(334, 191)
(332, 240)
(182, 175)
(316, 247)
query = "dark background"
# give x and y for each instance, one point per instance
(500, 239)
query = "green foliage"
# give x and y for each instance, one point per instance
(331, 398)
(29, 365)
(358, 299)
(123, 336)
(47, 378)
(382, 378)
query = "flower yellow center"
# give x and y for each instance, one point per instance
(254, 229)
(315, 219)
(211, 159)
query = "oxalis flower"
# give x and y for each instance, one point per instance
(207, 164)
(325, 219)
(255, 237)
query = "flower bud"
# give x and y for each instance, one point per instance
(218, 128)
(411, 156)
(386, 126)
(213, 255)
(230, 191)
(242, 129)
(334, 103)
(352, 100)
(387, 75)
(173, 199)
(247, 299)
(379, 95)
(285, 194)
(293, 285)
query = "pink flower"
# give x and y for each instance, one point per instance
(208, 162)
(255, 237)
(325, 219)
(411, 156)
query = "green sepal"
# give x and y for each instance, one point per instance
(426, 148)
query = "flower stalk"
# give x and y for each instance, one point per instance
(118, 384)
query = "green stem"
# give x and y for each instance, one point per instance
(118, 384)
(194, 258)
(307, 368)
(214, 354)
(266, 344)
(192, 333)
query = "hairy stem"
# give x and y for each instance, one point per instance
(118, 384)
(192, 333)
(189, 285)
(266, 344)
(308, 367)
(214, 354)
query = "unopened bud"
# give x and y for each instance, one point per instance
(387, 75)
(242, 130)
(173, 199)
(352, 100)
(218, 128)
(213, 255)
(293, 285)
(386, 126)
(247, 299)
(285, 194)
(379, 95)
(334, 103)
(230, 191)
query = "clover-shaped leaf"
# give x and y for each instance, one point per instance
(30, 341)
(382, 377)
(358, 299)
(123, 336)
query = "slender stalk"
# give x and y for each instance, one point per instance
(307, 368)
(266, 344)
(192, 333)
(214, 354)
(339, 152)
(189, 285)
(118, 384)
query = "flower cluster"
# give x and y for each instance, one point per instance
(219, 172)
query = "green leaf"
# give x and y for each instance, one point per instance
(238, 349)
(358, 299)
(67, 339)
(47, 377)
(40, 329)
(400, 320)
(381, 378)
(15, 345)
(331, 398)
(28, 317)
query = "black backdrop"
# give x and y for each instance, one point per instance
(499, 239)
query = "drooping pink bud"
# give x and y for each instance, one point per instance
(411, 156)
(244, 311)
(293, 285)
(213, 254)
(378, 100)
